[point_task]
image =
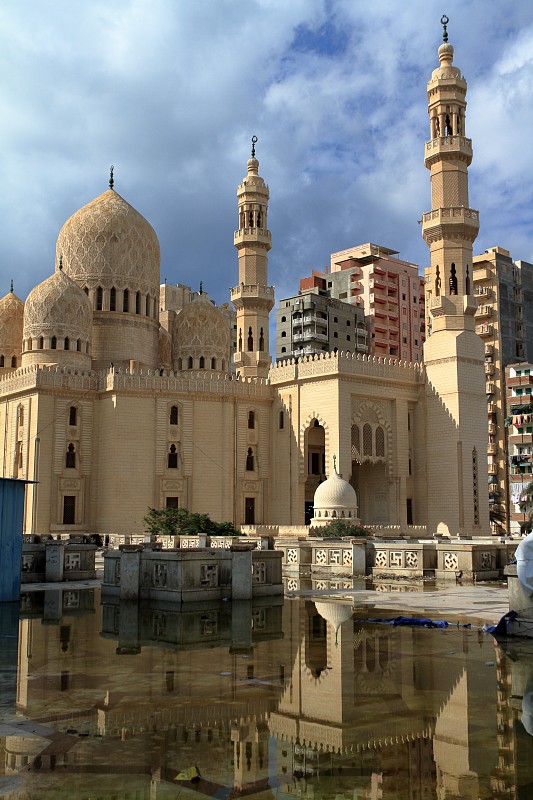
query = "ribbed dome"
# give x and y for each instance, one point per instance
(108, 243)
(201, 330)
(11, 324)
(335, 493)
(58, 307)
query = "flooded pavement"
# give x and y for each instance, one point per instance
(295, 698)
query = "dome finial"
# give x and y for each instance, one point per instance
(444, 21)
(334, 463)
(11, 290)
(254, 142)
(201, 287)
(111, 178)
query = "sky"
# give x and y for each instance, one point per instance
(171, 92)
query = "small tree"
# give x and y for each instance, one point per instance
(179, 521)
(339, 528)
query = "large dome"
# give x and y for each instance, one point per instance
(11, 322)
(201, 337)
(108, 243)
(57, 316)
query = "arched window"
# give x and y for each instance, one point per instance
(367, 440)
(261, 340)
(380, 442)
(13, 361)
(173, 457)
(78, 345)
(251, 420)
(126, 301)
(99, 298)
(437, 281)
(67, 343)
(30, 344)
(21, 415)
(41, 343)
(356, 441)
(453, 280)
(113, 299)
(174, 415)
(213, 363)
(53, 343)
(283, 349)
(281, 422)
(202, 362)
(147, 305)
(250, 340)
(73, 416)
(250, 460)
(138, 303)
(240, 339)
(223, 364)
(70, 461)
(283, 334)
(189, 362)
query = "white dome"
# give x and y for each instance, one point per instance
(334, 499)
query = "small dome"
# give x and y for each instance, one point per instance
(11, 324)
(201, 331)
(334, 499)
(334, 613)
(58, 307)
(335, 492)
(108, 243)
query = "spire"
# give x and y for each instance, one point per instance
(254, 142)
(11, 290)
(444, 21)
(111, 178)
(335, 464)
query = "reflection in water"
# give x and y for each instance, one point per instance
(293, 700)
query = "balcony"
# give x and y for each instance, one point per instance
(492, 449)
(492, 408)
(489, 349)
(482, 273)
(520, 438)
(483, 291)
(486, 329)
(484, 312)
(492, 469)
(492, 428)
(490, 388)
(490, 369)
(520, 380)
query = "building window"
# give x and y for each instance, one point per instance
(251, 420)
(1, 361)
(53, 343)
(250, 340)
(281, 420)
(113, 299)
(13, 361)
(174, 415)
(78, 345)
(380, 442)
(189, 362)
(99, 298)
(367, 440)
(213, 363)
(202, 362)
(335, 335)
(284, 319)
(283, 349)
(41, 344)
(335, 319)
(147, 305)
(138, 303)
(172, 502)
(250, 460)
(66, 343)
(73, 416)
(173, 457)
(249, 510)
(70, 461)
(283, 334)
(69, 509)
(126, 301)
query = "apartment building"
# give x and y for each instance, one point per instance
(519, 422)
(504, 320)
(312, 322)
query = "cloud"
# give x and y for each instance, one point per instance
(171, 93)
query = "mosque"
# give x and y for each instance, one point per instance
(118, 394)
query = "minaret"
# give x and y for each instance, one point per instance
(253, 297)
(456, 431)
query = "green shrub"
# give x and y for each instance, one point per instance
(339, 528)
(180, 522)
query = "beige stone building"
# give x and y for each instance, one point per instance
(121, 394)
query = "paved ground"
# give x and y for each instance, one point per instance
(479, 604)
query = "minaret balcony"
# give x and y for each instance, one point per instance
(448, 146)
(253, 236)
(254, 291)
(449, 223)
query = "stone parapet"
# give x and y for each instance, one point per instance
(347, 363)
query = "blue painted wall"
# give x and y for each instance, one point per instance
(11, 512)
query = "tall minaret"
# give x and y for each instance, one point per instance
(456, 431)
(253, 297)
